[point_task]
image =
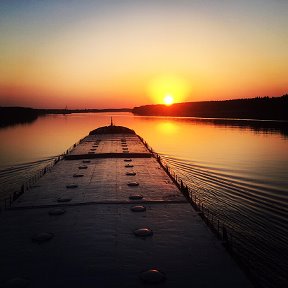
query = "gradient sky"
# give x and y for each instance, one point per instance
(114, 53)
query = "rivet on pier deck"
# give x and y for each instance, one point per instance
(130, 173)
(143, 232)
(152, 276)
(138, 208)
(136, 197)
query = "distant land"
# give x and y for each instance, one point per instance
(16, 115)
(69, 111)
(262, 108)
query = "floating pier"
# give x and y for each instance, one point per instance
(108, 215)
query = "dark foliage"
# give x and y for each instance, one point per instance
(15, 115)
(265, 108)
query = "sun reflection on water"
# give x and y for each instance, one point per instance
(167, 127)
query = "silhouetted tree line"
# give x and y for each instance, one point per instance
(15, 115)
(69, 111)
(268, 108)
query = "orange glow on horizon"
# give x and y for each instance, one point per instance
(161, 89)
(132, 55)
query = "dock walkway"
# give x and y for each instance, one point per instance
(93, 240)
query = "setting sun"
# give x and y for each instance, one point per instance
(168, 100)
(168, 89)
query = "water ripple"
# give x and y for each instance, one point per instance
(13, 177)
(254, 210)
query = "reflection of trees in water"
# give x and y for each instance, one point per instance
(16, 115)
(258, 126)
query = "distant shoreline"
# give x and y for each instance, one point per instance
(260, 108)
(70, 111)
(16, 115)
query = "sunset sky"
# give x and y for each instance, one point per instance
(114, 53)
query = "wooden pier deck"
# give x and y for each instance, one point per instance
(93, 240)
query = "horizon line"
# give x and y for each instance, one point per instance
(126, 108)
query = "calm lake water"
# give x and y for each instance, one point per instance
(238, 169)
